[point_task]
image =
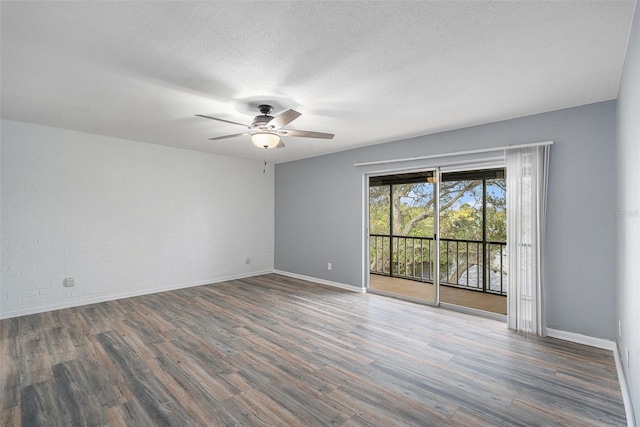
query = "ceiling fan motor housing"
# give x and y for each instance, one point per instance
(260, 122)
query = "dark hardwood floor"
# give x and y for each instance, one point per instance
(272, 350)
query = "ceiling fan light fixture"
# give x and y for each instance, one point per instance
(265, 139)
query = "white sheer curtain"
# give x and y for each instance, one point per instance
(527, 170)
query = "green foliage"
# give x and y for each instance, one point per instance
(460, 210)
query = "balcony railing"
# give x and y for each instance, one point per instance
(468, 264)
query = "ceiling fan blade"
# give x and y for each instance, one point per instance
(280, 145)
(305, 133)
(222, 120)
(229, 136)
(283, 119)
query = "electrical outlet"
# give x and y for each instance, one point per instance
(247, 260)
(68, 282)
(329, 266)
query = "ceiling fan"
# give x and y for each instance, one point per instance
(266, 130)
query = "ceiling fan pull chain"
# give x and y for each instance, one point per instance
(264, 168)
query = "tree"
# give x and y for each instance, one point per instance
(461, 218)
(413, 205)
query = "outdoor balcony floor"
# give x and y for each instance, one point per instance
(426, 292)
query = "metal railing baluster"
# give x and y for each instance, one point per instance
(418, 244)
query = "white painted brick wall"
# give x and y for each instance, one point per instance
(122, 218)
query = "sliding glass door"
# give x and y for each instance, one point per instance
(440, 242)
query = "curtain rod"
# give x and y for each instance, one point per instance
(455, 153)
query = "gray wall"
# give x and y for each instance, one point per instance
(319, 205)
(628, 212)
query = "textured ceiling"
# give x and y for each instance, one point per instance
(370, 72)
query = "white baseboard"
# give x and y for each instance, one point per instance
(103, 298)
(321, 281)
(624, 388)
(581, 339)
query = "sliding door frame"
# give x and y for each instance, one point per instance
(444, 166)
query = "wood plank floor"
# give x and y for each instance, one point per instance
(272, 350)
(426, 292)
